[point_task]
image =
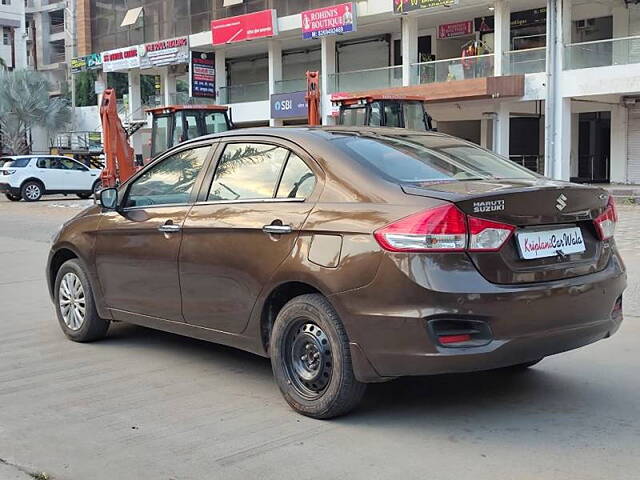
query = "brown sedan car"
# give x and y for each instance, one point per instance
(347, 256)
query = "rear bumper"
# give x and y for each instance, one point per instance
(6, 188)
(387, 321)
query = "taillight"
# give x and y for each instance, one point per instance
(488, 236)
(606, 222)
(443, 229)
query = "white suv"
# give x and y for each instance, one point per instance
(29, 177)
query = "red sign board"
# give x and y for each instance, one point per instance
(244, 27)
(457, 29)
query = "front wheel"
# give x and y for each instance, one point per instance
(75, 304)
(13, 198)
(311, 359)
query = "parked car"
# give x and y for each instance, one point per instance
(29, 177)
(347, 256)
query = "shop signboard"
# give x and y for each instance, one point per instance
(525, 18)
(457, 29)
(87, 62)
(289, 105)
(334, 20)
(405, 6)
(120, 59)
(202, 75)
(164, 52)
(244, 27)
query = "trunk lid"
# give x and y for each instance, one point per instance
(536, 205)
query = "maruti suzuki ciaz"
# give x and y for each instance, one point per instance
(347, 256)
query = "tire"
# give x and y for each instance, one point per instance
(32, 191)
(13, 198)
(95, 189)
(309, 329)
(87, 328)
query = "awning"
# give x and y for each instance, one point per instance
(7, 22)
(131, 17)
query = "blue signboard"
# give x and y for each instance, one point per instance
(289, 105)
(202, 75)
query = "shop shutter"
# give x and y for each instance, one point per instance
(633, 145)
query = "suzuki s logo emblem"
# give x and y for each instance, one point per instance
(561, 202)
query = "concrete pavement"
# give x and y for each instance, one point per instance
(149, 405)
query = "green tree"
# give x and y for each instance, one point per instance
(24, 104)
(86, 88)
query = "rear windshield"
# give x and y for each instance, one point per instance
(17, 163)
(428, 158)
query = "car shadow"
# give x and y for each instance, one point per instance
(513, 400)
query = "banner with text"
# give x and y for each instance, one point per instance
(202, 75)
(120, 59)
(244, 27)
(457, 29)
(164, 52)
(87, 62)
(289, 105)
(325, 21)
(404, 6)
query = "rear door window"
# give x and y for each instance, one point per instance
(248, 171)
(297, 181)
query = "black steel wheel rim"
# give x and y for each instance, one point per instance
(307, 358)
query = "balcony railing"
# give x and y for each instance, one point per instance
(532, 162)
(602, 53)
(250, 92)
(519, 62)
(56, 28)
(365, 79)
(288, 86)
(452, 69)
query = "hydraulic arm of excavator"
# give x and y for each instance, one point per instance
(119, 156)
(313, 98)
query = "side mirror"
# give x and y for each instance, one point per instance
(109, 198)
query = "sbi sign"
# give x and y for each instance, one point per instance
(289, 105)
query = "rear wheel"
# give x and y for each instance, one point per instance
(75, 304)
(311, 359)
(32, 191)
(13, 198)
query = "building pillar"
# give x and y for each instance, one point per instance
(557, 108)
(168, 87)
(275, 72)
(328, 67)
(502, 37)
(409, 46)
(135, 96)
(220, 61)
(486, 132)
(501, 129)
(619, 153)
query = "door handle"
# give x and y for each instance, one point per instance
(277, 229)
(169, 228)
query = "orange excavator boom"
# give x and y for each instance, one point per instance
(313, 98)
(119, 156)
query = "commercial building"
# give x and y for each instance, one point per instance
(553, 85)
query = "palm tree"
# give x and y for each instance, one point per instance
(24, 104)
